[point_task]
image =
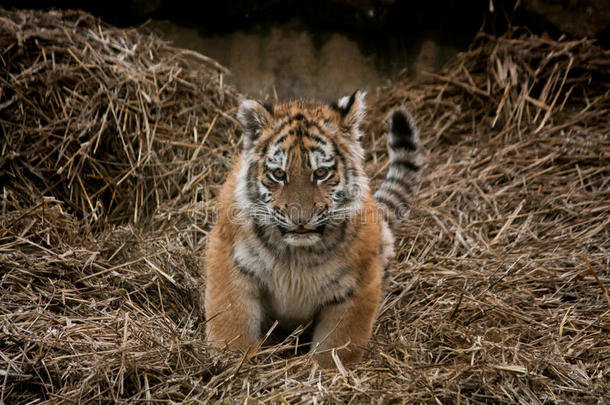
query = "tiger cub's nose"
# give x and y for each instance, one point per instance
(300, 221)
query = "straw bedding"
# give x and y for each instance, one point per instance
(114, 144)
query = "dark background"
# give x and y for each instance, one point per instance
(374, 17)
(325, 49)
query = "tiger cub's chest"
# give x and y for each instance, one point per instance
(296, 287)
(298, 292)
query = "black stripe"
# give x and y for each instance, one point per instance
(251, 182)
(335, 282)
(320, 250)
(304, 154)
(340, 196)
(399, 182)
(338, 153)
(316, 149)
(405, 163)
(340, 299)
(352, 170)
(283, 125)
(259, 231)
(244, 270)
(402, 142)
(305, 122)
(280, 139)
(400, 123)
(386, 202)
(320, 129)
(300, 131)
(277, 152)
(401, 197)
(346, 173)
(264, 148)
(340, 158)
(317, 138)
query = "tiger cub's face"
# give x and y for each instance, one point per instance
(302, 166)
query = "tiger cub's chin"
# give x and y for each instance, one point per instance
(302, 240)
(298, 167)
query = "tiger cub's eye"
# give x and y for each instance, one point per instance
(320, 173)
(278, 174)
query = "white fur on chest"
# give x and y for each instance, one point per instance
(296, 288)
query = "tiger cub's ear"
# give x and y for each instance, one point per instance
(353, 111)
(253, 117)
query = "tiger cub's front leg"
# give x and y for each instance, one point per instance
(234, 318)
(232, 302)
(347, 326)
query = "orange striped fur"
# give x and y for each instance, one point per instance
(300, 239)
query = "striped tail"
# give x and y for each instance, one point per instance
(404, 173)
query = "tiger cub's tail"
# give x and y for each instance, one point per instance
(404, 173)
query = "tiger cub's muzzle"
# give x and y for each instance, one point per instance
(301, 226)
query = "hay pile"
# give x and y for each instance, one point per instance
(114, 144)
(111, 122)
(500, 291)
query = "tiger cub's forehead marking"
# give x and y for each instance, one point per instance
(277, 156)
(301, 140)
(322, 154)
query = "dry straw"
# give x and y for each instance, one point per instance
(113, 145)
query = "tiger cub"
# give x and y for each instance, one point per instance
(299, 238)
